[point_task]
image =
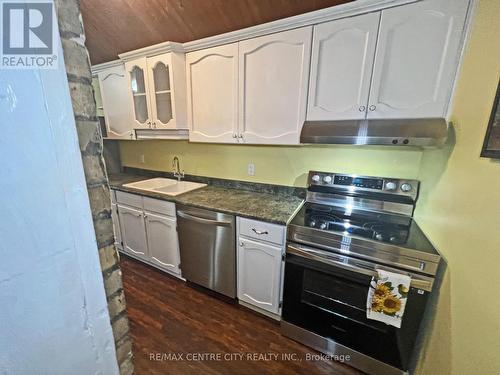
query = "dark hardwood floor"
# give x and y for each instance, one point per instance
(170, 318)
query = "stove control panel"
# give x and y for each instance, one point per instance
(361, 182)
(364, 183)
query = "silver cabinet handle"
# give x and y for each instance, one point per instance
(242, 244)
(201, 220)
(260, 232)
(372, 107)
(368, 269)
(362, 108)
(240, 136)
(235, 136)
(145, 216)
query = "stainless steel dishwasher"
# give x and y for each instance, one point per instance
(207, 243)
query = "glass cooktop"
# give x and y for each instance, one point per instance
(401, 232)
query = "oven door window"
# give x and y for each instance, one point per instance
(331, 302)
(337, 295)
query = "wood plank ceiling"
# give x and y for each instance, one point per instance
(116, 26)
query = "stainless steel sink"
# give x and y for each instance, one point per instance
(165, 186)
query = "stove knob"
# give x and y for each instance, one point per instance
(406, 187)
(391, 185)
(327, 179)
(393, 239)
(312, 223)
(322, 226)
(379, 237)
(315, 178)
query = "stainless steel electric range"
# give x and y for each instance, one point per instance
(349, 227)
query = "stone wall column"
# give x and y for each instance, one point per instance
(91, 146)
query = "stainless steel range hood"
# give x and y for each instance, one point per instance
(408, 132)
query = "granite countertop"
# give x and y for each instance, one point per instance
(272, 208)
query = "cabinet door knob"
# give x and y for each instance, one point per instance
(362, 108)
(372, 107)
(240, 136)
(242, 244)
(235, 136)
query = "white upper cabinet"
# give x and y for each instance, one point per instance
(273, 81)
(138, 90)
(212, 94)
(418, 51)
(158, 92)
(341, 67)
(113, 85)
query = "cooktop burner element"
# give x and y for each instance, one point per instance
(326, 219)
(380, 231)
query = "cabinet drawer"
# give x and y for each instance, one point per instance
(159, 206)
(129, 199)
(262, 231)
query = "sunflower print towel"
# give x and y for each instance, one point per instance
(387, 297)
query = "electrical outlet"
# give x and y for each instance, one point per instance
(251, 169)
(142, 159)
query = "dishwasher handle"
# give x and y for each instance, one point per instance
(202, 220)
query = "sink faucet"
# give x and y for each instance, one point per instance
(177, 169)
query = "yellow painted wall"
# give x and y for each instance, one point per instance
(459, 209)
(273, 164)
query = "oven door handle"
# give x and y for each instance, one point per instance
(352, 265)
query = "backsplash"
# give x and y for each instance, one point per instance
(280, 165)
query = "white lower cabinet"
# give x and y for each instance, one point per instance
(260, 267)
(259, 270)
(147, 230)
(162, 241)
(116, 226)
(133, 231)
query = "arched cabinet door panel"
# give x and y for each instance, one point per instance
(212, 94)
(139, 92)
(273, 80)
(341, 68)
(417, 56)
(162, 241)
(113, 86)
(161, 91)
(259, 274)
(133, 231)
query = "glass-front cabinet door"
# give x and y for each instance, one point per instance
(138, 85)
(161, 91)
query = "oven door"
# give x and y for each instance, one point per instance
(326, 294)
